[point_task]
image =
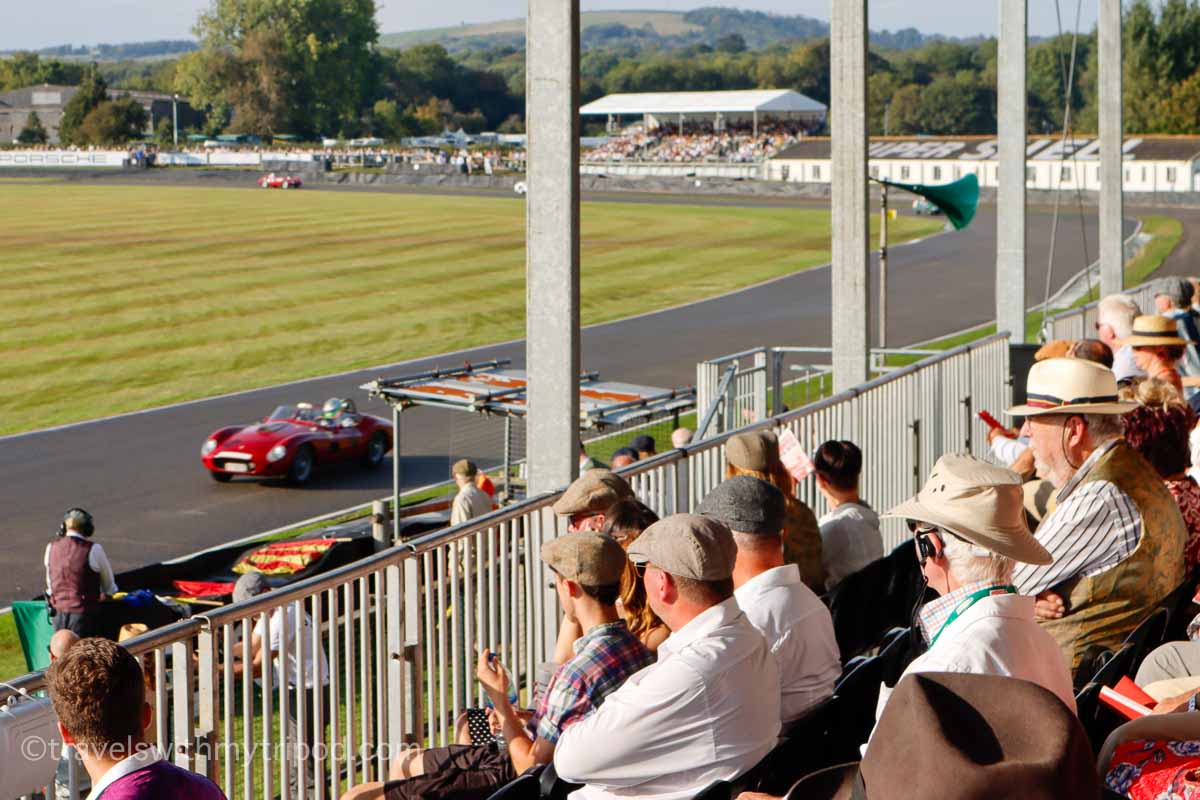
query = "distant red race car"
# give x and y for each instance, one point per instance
(274, 181)
(293, 440)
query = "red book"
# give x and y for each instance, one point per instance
(1127, 699)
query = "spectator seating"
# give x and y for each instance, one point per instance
(552, 787)
(879, 597)
(524, 787)
(898, 650)
(1147, 636)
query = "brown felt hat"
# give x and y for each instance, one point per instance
(757, 450)
(465, 468)
(595, 490)
(587, 557)
(961, 736)
(687, 546)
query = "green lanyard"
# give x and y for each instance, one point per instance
(969, 601)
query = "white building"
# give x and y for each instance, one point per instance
(1152, 163)
(718, 108)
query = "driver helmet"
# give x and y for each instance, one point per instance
(333, 407)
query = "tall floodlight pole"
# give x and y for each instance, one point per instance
(851, 246)
(1010, 193)
(552, 243)
(175, 119)
(1112, 131)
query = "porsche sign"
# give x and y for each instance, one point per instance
(63, 158)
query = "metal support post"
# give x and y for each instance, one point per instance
(851, 248)
(883, 255)
(396, 473)
(207, 700)
(1010, 192)
(508, 459)
(175, 120)
(1112, 131)
(552, 243)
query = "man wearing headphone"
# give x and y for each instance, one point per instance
(969, 529)
(78, 575)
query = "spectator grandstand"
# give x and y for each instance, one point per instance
(698, 142)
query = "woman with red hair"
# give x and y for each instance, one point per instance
(1159, 430)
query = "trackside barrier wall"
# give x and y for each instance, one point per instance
(400, 629)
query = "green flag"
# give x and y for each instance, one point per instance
(957, 200)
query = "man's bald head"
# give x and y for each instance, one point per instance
(61, 642)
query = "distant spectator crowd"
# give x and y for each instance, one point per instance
(736, 143)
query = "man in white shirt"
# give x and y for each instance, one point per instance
(796, 624)
(850, 537)
(1114, 323)
(708, 710)
(78, 574)
(307, 682)
(471, 501)
(969, 528)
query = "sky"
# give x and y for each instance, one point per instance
(114, 21)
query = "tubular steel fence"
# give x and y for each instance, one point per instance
(1080, 322)
(382, 652)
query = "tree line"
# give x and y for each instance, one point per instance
(272, 67)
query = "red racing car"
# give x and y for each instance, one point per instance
(293, 440)
(274, 181)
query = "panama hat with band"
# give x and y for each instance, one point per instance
(978, 502)
(1154, 331)
(1070, 386)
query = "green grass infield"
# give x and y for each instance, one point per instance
(120, 298)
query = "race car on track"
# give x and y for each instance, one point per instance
(293, 440)
(274, 181)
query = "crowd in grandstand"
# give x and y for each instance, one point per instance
(697, 142)
(750, 641)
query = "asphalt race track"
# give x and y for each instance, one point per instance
(140, 474)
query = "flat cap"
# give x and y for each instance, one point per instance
(249, 585)
(465, 468)
(758, 451)
(747, 505)
(587, 557)
(687, 546)
(594, 490)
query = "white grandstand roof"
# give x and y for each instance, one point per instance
(775, 101)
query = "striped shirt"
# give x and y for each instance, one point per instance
(1095, 527)
(604, 657)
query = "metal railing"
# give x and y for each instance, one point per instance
(1080, 322)
(398, 632)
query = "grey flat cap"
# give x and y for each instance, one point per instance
(249, 585)
(687, 546)
(747, 505)
(757, 450)
(590, 558)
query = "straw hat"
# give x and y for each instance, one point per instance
(1070, 386)
(1153, 330)
(979, 502)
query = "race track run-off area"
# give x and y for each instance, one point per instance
(119, 298)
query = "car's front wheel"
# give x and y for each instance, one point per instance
(376, 449)
(220, 477)
(302, 466)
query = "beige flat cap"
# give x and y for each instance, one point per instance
(587, 557)
(595, 491)
(688, 546)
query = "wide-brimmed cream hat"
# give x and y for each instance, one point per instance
(979, 502)
(1070, 386)
(1152, 330)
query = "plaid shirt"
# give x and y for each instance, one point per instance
(604, 657)
(935, 613)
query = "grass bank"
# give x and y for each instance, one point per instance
(122, 298)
